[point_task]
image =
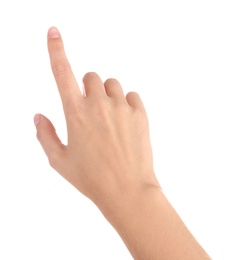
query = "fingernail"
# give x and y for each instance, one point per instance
(37, 119)
(53, 33)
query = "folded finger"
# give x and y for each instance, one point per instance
(93, 85)
(114, 89)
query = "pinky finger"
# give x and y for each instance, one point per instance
(134, 100)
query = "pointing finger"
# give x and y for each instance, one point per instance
(66, 82)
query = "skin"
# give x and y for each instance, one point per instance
(108, 158)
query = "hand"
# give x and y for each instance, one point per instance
(108, 154)
(108, 158)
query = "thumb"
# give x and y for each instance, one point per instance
(52, 145)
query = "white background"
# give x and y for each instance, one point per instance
(187, 60)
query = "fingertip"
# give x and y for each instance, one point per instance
(53, 33)
(47, 136)
(37, 119)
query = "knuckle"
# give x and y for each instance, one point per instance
(133, 94)
(90, 75)
(53, 160)
(38, 135)
(111, 81)
(101, 109)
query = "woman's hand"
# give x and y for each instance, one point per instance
(108, 152)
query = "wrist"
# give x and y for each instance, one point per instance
(125, 193)
(125, 206)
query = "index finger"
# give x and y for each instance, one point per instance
(65, 80)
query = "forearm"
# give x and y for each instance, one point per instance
(151, 228)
